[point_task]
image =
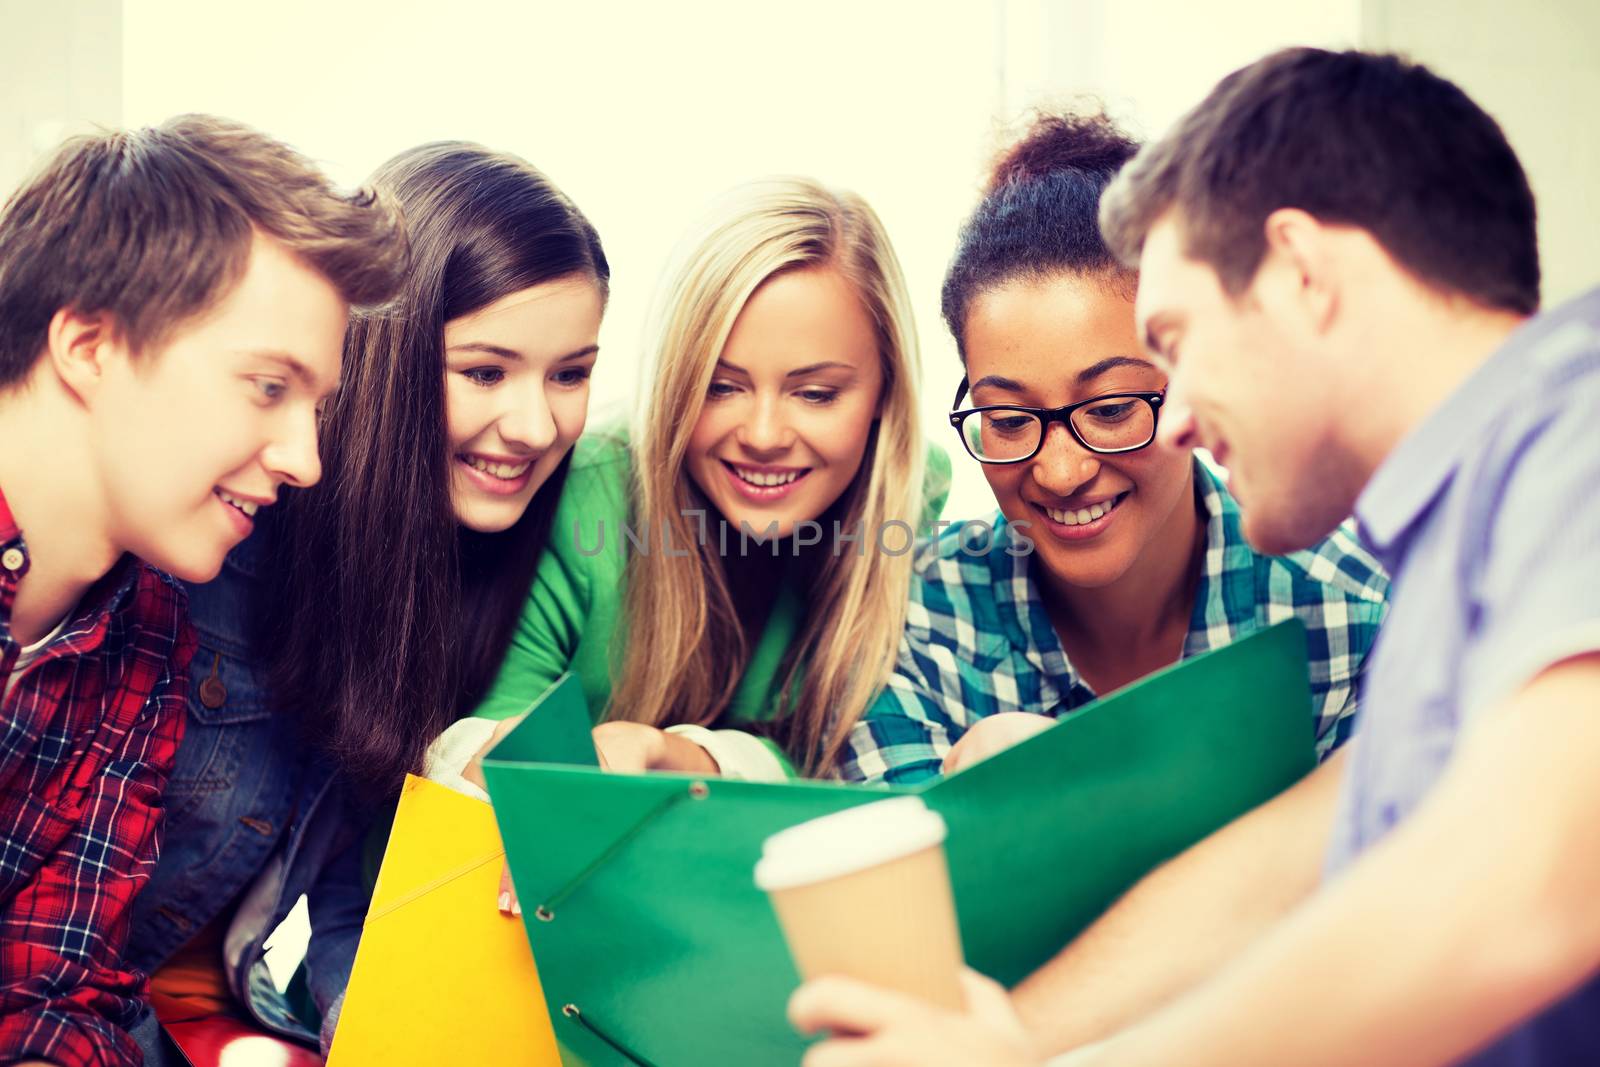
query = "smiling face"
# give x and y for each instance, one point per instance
(1047, 344)
(1245, 386)
(790, 409)
(516, 395)
(191, 437)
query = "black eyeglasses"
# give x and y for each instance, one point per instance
(1116, 422)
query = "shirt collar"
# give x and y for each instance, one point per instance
(110, 594)
(1417, 469)
(1226, 595)
(1022, 611)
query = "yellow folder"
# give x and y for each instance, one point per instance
(441, 976)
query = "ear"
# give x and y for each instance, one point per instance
(1297, 276)
(79, 346)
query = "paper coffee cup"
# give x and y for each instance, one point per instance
(865, 892)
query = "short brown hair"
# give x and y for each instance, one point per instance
(1353, 138)
(155, 225)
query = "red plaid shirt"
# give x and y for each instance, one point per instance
(87, 738)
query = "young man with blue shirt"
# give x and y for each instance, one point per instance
(1338, 263)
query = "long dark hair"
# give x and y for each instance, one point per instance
(390, 620)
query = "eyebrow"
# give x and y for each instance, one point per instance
(1091, 373)
(798, 372)
(995, 381)
(515, 356)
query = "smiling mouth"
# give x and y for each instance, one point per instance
(506, 472)
(757, 478)
(1082, 516)
(247, 508)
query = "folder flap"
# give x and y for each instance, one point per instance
(449, 835)
(440, 975)
(555, 729)
(1126, 783)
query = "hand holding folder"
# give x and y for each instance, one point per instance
(656, 948)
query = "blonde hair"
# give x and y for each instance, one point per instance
(685, 650)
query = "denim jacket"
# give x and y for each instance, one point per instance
(253, 819)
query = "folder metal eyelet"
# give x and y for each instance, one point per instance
(572, 1012)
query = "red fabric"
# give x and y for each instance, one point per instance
(218, 1040)
(87, 738)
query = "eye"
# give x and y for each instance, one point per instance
(271, 389)
(1009, 424)
(720, 390)
(1110, 412)
(572, 376)
(484, 376)
(818, 396)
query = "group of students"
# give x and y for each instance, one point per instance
(1323, 274)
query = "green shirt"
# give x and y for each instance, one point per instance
(574, 605)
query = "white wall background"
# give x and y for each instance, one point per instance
(1534, 66)
(642, 112)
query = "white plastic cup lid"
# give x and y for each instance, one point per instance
(846, 842)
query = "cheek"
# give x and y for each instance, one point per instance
(570, 411)
(460, 413)
(840, 433)
(1005, 481)
(715, 422)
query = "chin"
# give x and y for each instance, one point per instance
(489, 524)
(1277, 536)
(1084, 574)
(189, 569)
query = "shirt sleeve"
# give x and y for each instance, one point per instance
(906, 733)
(739, 755)
(1537, 597)
(65, 994)
(545, 639)
(337, 905)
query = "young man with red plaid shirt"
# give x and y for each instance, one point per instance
(172, 305)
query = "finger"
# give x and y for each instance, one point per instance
(955, 759)
(846, 1052)
(844, 1004)
(986, 998)
(509, 905)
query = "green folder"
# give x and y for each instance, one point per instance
(655, 947)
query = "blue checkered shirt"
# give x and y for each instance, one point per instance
(978, 640)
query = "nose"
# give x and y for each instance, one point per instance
(1063, 466)
(292, 456)
(766, 430)
(527, 422)
(1177, 428)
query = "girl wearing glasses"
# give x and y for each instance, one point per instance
(1110, 558)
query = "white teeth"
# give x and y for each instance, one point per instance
(1081, 515)
(247, 506)
(766, 479)
(505, 471)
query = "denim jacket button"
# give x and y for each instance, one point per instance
(213, 694)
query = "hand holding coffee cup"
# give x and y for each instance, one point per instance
(866, 893)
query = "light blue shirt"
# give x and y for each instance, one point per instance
(1487, 518)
